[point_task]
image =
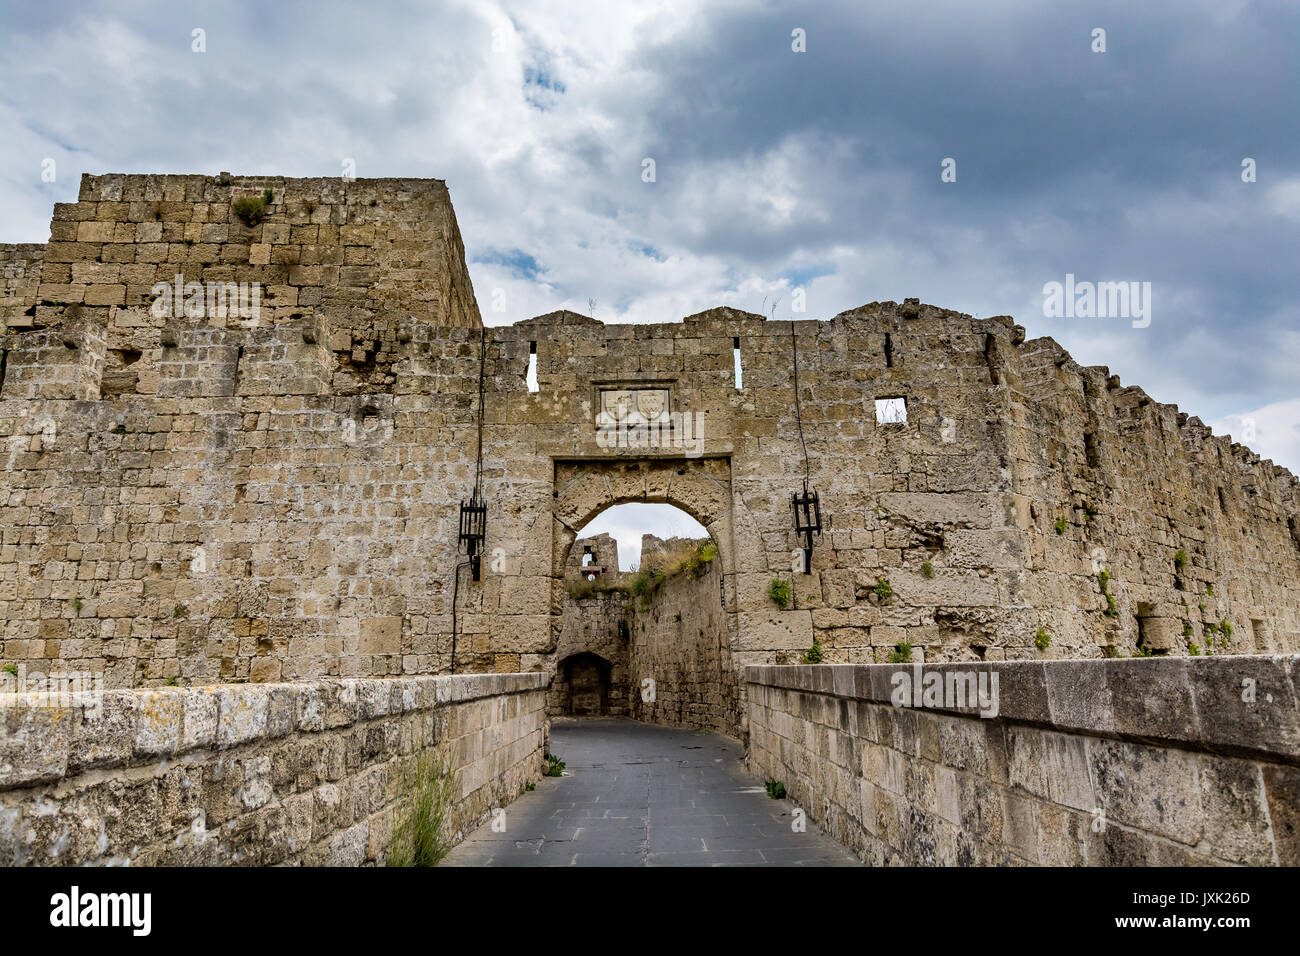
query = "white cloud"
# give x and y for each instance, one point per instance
(1273, 431)
(1285, 197)
(627, 523)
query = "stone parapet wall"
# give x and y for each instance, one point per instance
(1119, 762)
(308, 773)
(1105, 477)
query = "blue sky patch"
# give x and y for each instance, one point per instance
(520, 264)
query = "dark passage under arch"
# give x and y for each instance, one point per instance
(586, 680)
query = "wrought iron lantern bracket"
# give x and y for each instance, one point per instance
(473, 523)
(807, 522)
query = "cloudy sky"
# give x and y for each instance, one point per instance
(774, 169)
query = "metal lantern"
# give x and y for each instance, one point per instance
(807, 522)
(473, 521)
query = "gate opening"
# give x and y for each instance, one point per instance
(643, 596)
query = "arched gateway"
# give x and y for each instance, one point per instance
(663, 679)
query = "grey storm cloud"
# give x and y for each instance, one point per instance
(774, 169)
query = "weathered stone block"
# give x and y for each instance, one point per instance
(381, 635)
(35, 744)
(1153, 789)
(1152, 698)
(1251, 700)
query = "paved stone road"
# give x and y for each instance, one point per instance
(641, 795)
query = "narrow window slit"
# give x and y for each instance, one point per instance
(531, 376)
(1090, 450)
(735, 354)
(991, 357)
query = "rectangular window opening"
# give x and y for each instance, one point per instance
(891, 411)
(1148, 638)
(889, 350)
(735, 354)
(531, 376)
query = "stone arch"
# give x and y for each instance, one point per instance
(584, 684)
(701, 487)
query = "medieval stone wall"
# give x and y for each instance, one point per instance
(1177, 517)
(681, 642)
(1075, 763)
(20, 264)
(379, 256)
(598, 553)
(281, 501)
(311, 773)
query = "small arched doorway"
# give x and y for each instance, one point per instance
(585, 685)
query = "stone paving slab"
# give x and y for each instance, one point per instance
(643, 795)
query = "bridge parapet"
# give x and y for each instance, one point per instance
(312, 772)
(1152, 761)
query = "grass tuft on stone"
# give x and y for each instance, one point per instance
(814, 654)
(901, 654)
(421, 836)
(251, 210)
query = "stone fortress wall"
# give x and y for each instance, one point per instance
(590, 658)
(681, 641)
(664, 655)
(199, 500)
